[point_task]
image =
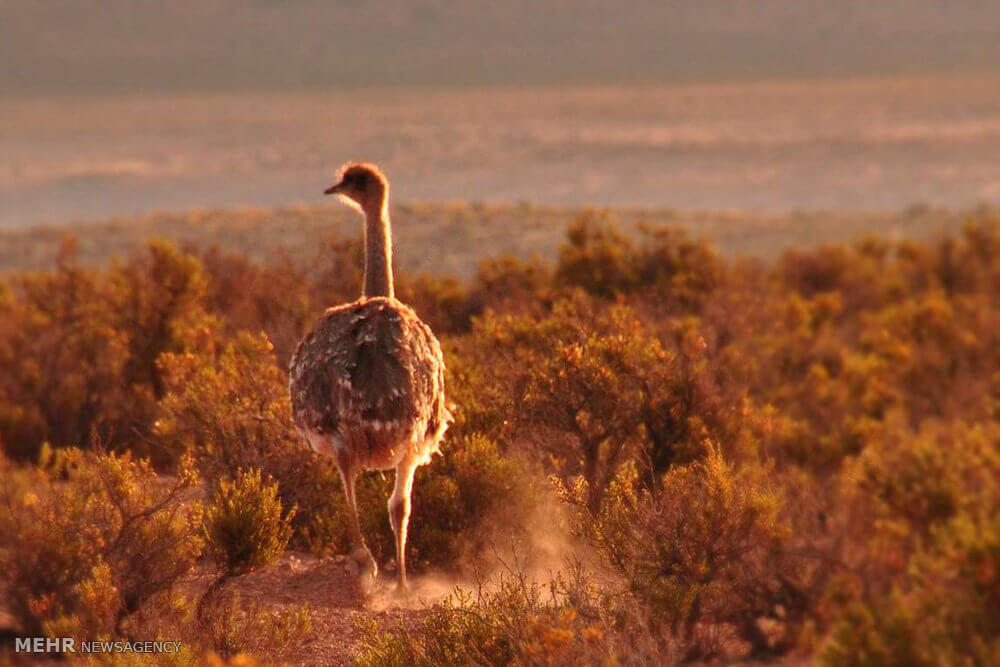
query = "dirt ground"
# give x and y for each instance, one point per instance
(326, 585)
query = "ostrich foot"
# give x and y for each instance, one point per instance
(364, 570)
(401, 591)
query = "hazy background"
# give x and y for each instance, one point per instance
(145, 45)
(114, 107)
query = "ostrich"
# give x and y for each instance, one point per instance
(367, 383)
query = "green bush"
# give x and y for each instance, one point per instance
(244, 526)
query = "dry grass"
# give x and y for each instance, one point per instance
(450, 238)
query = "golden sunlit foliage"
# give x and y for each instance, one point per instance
(244, 523)
(88, 540)
(756, 460)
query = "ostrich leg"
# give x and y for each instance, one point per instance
(399, 512)
(367, 568)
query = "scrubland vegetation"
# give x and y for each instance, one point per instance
(797, 459)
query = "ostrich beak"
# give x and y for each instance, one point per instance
(334, 189)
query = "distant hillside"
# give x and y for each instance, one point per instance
(450, 239)
(62, 45)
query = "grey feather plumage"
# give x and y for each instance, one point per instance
(371, 374)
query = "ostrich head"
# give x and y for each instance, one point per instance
(364, 186)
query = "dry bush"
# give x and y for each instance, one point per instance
(465, 502)
(62, 360)
(509, 284)
(589, 387)
(514, 620)
(233, 627)
(79, 349)
(97, 546)
(159, 300)
(797, 363)
(468, 501)
(666, 268)
(246, 296)
(708, 556)
(677, 273)
(854, 392)
(938, 353)
(443, 303)
(597, 258)
(246, 529)
(930, 544)
(230, 410)
(91, 539)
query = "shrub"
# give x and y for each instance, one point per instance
(442, 303)
(567, 382)
(232, 627)
(245, 530)
(158, 301)
(244, 526)
(938, 353)
(705, 554)
(519, 621)
(94, 538)
(80, 349)
(468, 501)
(62, 361)
(246, 296)
(667, 269)
(933, 540)
(509, 284)
(588, 387)
(847, 509)
(942, 611)
(597, 258)
(231, 411)
(677, 274)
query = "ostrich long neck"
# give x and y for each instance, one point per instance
(378, 253)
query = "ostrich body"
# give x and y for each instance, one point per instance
(367, 383)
